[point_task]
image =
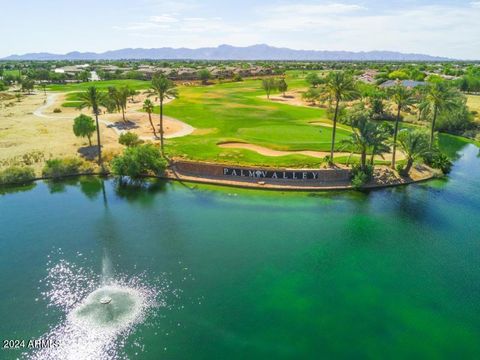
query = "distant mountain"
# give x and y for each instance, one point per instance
(228, 52)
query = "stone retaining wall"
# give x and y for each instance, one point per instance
(297, 177)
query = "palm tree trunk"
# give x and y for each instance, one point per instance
(123, 115)
(89, 140)
(151, 123)
(98, 141)
(408, 167)
(334, 131)
(363, 159)
(161, 129)
(432, 132)
(395, 134)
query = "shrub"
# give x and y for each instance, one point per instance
(361, 176)
(129, 139)
(139, 161)
(16, 175)
(438, 160)
(359, 180)
(57, 110)
(59, 168)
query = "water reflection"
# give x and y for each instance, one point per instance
(139, 191)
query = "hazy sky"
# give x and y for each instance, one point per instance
(445, 28)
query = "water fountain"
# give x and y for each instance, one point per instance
(100, 311)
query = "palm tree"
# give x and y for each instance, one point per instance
(93, 99)
(360, 140)
(378, 142)
(164, 89)
(338, 86)
(402, 98)
(437, 98)
(414, 144)
(119, 97)
(148, 108)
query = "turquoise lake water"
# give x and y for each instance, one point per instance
(233, 274)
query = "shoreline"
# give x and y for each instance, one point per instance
(256, 184)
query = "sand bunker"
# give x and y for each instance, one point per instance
(316, 154)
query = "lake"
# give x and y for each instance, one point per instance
(200, 272)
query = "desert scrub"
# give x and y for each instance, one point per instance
(30, 158)
(59, 168)
(16, 175)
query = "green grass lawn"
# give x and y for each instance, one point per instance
(236, 112)
(103, 85)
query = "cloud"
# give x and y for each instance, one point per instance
(447, 30)
(316, 9)
(163, 19)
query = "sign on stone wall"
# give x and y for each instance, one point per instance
(266, 174)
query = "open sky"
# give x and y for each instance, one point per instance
(434, 27)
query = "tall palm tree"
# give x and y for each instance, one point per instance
(403, 98)
(94, 99)
(339, 86)
(437, 98)
(148, 108)
(119, 98)
(414, 144)
(378, 142)
(164, 89)
(360, 140)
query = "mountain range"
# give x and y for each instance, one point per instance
(228, 52)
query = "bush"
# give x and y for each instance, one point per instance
(129, 139)
(139, 161)
(361, 176)
(57, 110)
(16, 175)
(359, 180)
(438, 160)
(59, 168)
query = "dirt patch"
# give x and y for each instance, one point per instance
(293, 97)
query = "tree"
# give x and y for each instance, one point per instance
(402, 98)
(139, 161)
(313, 79)
(415, 145)
(148, 108)
(129, 139)
(204, 75)
(339, 86)
(84, 126)
(164, 89)
(269, 85)
(119, 97)
(282, 86)
(27, 85)
(438, 97)
(311, 95)
(359, 140)
(94, 99)
(398, 75)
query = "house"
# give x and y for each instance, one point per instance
(410, 84)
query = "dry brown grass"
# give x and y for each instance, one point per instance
(22, 133)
